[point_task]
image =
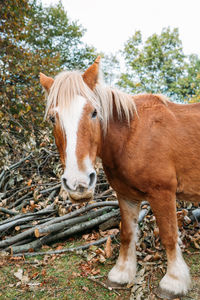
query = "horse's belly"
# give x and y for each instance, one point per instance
(188, 190)
(188, 197)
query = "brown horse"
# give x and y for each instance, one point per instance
(150, 150)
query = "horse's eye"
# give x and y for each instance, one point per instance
(94, 114)
(52, 119)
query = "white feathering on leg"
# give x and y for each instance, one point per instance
(125, 270)
(177, 279)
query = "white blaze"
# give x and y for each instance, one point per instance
(70, 119)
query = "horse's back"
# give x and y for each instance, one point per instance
(160, 148)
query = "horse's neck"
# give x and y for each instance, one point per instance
(112, 141)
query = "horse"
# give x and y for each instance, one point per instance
(150, 150)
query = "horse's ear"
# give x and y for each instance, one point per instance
(46, 81)
(91, 75)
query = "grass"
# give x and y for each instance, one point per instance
(193, 261)
(67, 277)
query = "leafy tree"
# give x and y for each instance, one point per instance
(111, 68)
(33, 38)
(51, 31)
(156, 65)
(190, 85)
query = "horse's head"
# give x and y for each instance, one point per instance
(76, 128)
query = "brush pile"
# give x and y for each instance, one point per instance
(34, 211)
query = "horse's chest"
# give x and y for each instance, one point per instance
(123, 181)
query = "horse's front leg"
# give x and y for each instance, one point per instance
(125, 269)
(176, 281)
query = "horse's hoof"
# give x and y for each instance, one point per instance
(112, 284)
(164, 294)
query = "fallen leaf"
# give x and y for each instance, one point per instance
(34, 275)
(43, 272)
(108, 248)
(59, 247)
(85, 236)
(19, 274)
(23, 278)
(74, 274)
(156, 231)
(29, 182)
(156, 256)
(95, 272)
(102, 258)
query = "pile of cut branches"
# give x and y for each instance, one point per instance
(34, 211)
(43, 227)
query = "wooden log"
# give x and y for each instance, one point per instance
(74, 249)
(40, 231)
(142, 214)
(17, 238)
(23, 242)
(34, 245)
(8, 211)
(55, 224)
(30, 232)
(71, 231)
(16, 191)
(56, 187)
(47, 210)
(108, 191)
(112, 222)
(18, 201)
(80, 227)
(195, 215)
(30, 225)
(7, 226)
(82, 210)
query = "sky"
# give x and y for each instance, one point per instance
(109, 23)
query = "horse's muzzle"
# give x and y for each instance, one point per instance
(85, 196)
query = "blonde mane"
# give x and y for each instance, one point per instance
(68, 85)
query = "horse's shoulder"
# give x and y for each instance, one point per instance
(150, 100)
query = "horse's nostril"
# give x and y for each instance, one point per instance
(92, 178)
(64, 181)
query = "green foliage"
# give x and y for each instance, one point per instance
(51, 31)
(111, 68)
(33, 38)
(191, 84)
(159, 65)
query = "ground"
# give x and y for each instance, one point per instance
(71, 276)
